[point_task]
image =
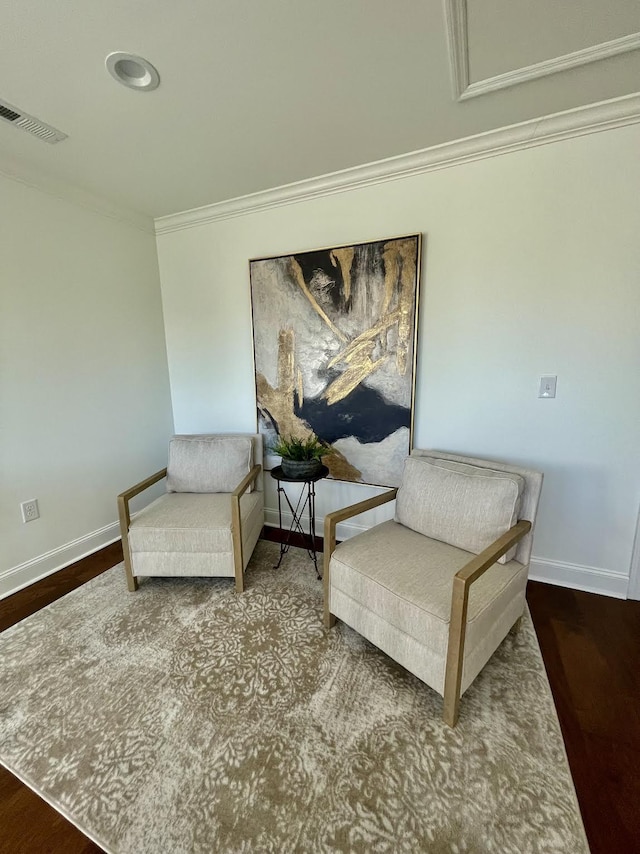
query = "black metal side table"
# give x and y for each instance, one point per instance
(306, 501)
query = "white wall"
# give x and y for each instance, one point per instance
(531, 266)
(85, 407)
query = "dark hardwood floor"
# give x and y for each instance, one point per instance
(591, 649)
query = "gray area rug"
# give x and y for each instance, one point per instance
(184, 718)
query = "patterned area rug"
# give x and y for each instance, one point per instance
(184, 718)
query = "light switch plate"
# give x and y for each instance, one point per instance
(547, 386)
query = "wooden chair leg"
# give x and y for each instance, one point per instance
(329, 546)
(238, 568)
(125, 521)
(132, 581)
(451, 711)
(455, 652)
(236, 535)
(451, 705)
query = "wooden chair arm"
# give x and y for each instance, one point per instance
(462, 581)
(236, 525)
(128, 494)
(330, 522)
(246, 481)
(125, 521)
(481, 563)
(332, 519)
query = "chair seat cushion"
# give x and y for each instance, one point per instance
(405, 579)
(191, 522)
(463, 505)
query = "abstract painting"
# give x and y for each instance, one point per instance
(334, 335)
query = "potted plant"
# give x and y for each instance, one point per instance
(301, 458)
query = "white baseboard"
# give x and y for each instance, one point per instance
(18, 577)
(588, 578)
(591, 579)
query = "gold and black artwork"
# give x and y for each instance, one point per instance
(334, 334)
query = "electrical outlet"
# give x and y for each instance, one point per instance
(30, 510)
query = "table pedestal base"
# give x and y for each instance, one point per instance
(306, 505)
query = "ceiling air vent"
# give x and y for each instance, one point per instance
(24, 121)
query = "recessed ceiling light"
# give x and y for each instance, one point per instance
(132, 71)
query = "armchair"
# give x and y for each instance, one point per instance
(439, 587)
(209, 520)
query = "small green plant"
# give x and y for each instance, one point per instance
(300, 449)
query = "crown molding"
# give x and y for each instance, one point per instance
(455, 18)
(605, 50)
(577, 122)
(21, 173)
(458, 44)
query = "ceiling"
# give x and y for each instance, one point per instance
(255, 94)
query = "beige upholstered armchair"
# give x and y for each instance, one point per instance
(439, 587)
(209, 520)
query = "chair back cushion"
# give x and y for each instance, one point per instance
(208, 463)
(460, 504)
